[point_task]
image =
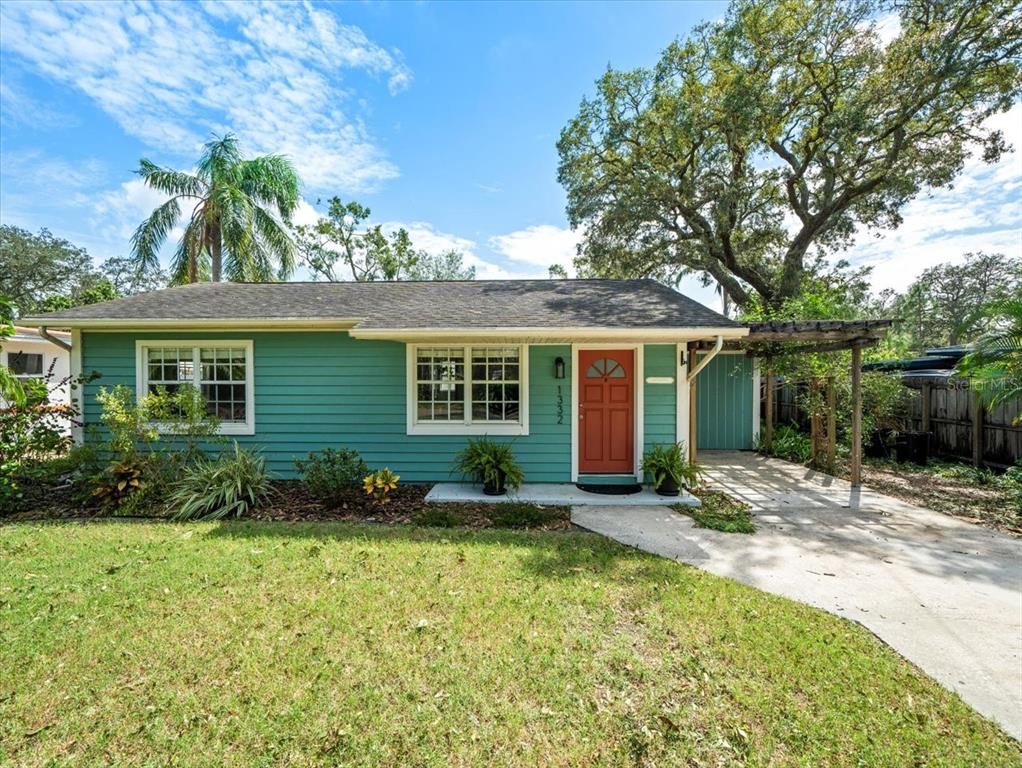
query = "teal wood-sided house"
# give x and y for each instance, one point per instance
(582, 375)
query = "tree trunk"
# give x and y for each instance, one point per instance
(215, 254)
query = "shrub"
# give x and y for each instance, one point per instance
(491, 463)
(380, 483)
(126, 421)
(137, 478)
(211, 489)
(33, 430)
(331, 474)
(1011, 482)
(182, 417)
(437, 517)
(132, 424)
(663, 461)
(789, 444)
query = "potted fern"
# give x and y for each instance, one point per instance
(492, 464)
(670, 468)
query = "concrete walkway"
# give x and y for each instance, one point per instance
(560, 494)
(945, 594)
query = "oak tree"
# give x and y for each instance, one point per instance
(776, 134)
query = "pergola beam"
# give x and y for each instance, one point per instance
(801, 337)
(767, 337)
(854, 342)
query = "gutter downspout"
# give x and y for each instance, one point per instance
(53, 339)
(703, 363)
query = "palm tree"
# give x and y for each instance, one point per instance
(239, 224)
(995, 364)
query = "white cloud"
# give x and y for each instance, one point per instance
(171, 73)
(426, 237)
(305, 214)
(535, 249)
(983, 211)
(887, 27)
(120, 211)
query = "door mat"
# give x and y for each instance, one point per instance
(624, 489)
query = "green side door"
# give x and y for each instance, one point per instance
(724, 404)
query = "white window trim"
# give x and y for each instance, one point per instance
(228, 428)
(6, 362)
(466, 427)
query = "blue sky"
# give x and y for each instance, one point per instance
(441, 117)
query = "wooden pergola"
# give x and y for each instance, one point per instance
(771, 339)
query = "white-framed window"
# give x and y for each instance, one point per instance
(25, 365)
(468, 389)
(221, 369)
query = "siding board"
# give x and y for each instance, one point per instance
(724, 404)
(660, 423)
(315, 390)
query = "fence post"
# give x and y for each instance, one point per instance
(927, 400)
(977, 431)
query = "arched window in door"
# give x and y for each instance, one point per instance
(605, 367)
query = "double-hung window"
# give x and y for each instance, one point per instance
(467, 389)
(222, 370)
(25, 365)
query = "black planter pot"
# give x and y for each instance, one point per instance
(498, 489)
(668, 487)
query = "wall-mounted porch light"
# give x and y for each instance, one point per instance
(559, 368)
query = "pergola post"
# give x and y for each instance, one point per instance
(831, 423)
(768, 438)
(856, 416)
(692, 413)
(814, 421)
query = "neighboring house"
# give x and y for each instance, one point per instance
(582, 375)
(29, 356)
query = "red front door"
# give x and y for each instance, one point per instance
(606, 411)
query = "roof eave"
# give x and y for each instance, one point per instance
(309, 323)
(562, 334)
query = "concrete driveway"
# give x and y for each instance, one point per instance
(945, 594)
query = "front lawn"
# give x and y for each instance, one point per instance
(256, 644)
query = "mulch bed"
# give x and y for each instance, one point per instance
(988, 506)
(290, 502)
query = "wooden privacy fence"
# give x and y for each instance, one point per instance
(962, 429)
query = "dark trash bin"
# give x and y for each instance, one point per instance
(880, 443)
(912, 447)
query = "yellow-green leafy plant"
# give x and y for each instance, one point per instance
(379, 484)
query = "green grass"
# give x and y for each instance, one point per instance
(505, 514)
(263, 644)
(719, 512)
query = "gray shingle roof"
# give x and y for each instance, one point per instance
(476, 304)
